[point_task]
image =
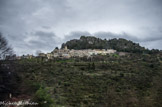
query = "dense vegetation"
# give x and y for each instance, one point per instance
(133, 80)
(90, 42)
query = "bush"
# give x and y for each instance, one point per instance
(43, 98)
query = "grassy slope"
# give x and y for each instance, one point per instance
(134, 80)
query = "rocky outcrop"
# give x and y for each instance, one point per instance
(91, 42)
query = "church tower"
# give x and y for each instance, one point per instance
(66, 48)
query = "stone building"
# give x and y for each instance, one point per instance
(50, 55)
(67, 53)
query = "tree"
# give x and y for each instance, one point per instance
(43, 98)
(93, 66)
(9, 80)
(5, 49)
(56, 48)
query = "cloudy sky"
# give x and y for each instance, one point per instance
(31, 25)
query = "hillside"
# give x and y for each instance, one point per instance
(113, 80)
(90, 42)
(104, 81)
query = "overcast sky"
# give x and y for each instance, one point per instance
(31, 25)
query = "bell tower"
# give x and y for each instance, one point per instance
(66, 48)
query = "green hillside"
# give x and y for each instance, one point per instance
(90, 42)
(103, 81)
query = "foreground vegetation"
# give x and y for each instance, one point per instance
(133, 80)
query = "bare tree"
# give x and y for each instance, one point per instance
(5, 49)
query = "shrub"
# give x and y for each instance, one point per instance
(43, 98)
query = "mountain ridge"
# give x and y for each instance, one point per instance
(91, 42)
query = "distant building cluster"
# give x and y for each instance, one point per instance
(67, 53)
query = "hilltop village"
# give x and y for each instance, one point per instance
(88, 46)
(67, 53)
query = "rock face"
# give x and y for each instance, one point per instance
(90, 42)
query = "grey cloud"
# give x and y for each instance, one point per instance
(110, 35)
(26, 15)
(46, 27)
(153, 34)
(76, 35)
(38, 40)
(152, 44)
(100, 34)
(44, 41)
(137, 20)
(45, 35)
(150, 37)
(20, 17)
